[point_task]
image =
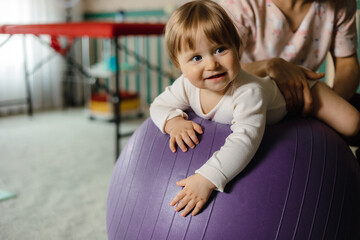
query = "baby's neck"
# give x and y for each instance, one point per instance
(209, 100)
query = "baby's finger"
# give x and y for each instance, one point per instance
(172, 142)
(190, 206)
(188, 141)
(181, 183)
(197, 208)
(197, 128)
(182, 204)
(193, 137)
(181, 144)
(177, 198)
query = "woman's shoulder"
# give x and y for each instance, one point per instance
(344, 7)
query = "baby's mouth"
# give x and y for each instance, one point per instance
(217, 75)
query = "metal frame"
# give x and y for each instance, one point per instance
(116, 97)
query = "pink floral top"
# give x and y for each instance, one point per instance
(266, 34)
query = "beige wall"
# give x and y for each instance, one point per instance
(115, 5)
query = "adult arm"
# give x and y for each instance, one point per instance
(344, 50)
(347, 75)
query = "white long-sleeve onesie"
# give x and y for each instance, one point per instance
(249, 104)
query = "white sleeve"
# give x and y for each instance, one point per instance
(170, 103)
(248, 125)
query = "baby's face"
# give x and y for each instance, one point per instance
(209, 65)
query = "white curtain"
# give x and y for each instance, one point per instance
(45, 84)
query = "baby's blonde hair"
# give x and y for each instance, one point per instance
(203, 15)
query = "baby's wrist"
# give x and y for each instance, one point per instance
(170, 124)
(209, 184)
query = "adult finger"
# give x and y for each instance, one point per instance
(299, 99)
(308, 102)
(288, 99)
(313, 75)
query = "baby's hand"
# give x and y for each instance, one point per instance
(182, 132)
(197, 190)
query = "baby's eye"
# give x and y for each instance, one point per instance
(196, 58)
(220, 50)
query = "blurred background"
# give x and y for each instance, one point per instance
(56, 162)
(53, 84)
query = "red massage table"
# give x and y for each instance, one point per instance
(75, 30)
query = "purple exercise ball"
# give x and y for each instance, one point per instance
(303, 183)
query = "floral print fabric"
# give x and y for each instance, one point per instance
(266, 34)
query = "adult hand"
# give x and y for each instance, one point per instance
(197, 190)
(182, 132)
(291, 80)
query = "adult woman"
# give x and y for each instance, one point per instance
(289, 39)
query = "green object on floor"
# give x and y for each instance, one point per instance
(6, 195)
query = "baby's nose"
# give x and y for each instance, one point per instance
(212, 63)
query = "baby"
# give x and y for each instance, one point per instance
(204, 45)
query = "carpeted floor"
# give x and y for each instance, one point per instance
(59, 165)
